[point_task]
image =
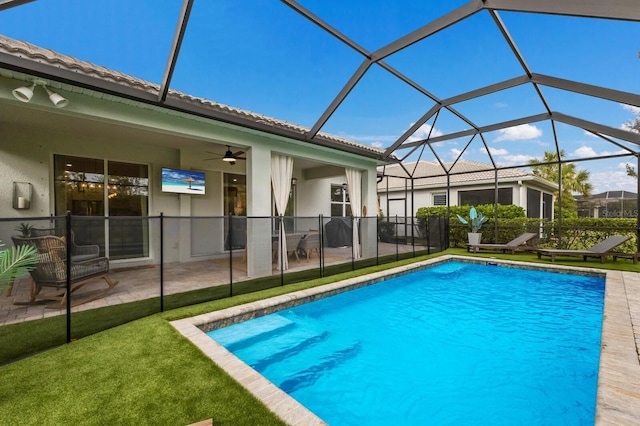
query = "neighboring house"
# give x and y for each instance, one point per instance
(616, 204)
(103, 155)
(474, 187)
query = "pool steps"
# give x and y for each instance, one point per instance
(237, 333)
(281, 348)
(308, 376)
(283, 339)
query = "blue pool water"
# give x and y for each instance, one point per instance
(455, 344)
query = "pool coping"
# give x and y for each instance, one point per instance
(618, 394)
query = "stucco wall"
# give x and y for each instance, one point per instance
(112, 129)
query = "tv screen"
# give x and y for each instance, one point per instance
(182, 181)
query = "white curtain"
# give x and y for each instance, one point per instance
(281, 172)
(354, 186)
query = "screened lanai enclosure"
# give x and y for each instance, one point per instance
(116, 113)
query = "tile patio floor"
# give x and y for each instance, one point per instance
(144, 282)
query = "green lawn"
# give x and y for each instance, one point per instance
(144, 372)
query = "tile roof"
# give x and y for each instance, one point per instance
(430, 174)
(23, 49)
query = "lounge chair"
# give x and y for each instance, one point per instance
(601, 250)
(78, 252)
(52, 272)
(511, 246)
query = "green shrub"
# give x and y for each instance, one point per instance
(577, 233)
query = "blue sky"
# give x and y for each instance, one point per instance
(262, 56)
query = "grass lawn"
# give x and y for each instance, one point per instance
(145, 373)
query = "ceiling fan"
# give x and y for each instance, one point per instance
(229, 157)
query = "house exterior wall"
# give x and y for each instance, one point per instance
(424, 197)
(118, 130)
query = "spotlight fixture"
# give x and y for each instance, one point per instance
(57, 100)
(228, 156)
(24, 94)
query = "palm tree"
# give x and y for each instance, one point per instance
(633, 126)
(16, 261)
(573, 180)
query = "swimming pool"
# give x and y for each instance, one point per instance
(480, 343)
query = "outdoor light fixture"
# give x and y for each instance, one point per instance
(228, 156)
(294, 181)
(24, 94)
(57, 100)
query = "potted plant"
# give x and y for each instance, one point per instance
(475, 221)
(25, 229)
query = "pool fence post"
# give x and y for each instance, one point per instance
(413, 235)
(321, 236)
(230, 238)
(68, 272)
(161, 261)
(427, 232)
(395, 225)
(282, 253)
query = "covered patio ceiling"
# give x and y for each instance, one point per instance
(496, 81)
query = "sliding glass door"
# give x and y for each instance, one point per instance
(95, 188)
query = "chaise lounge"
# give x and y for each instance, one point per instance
(52, 272)
(601, 250)
(513, 245)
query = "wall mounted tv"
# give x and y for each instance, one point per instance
(182, 181)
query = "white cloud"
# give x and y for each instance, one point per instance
(634, 109)
(623, 166)
(588, 152)
(612, 180)
(628, 128)
(455, 152)
(423, 133)
(585, 152)
(377, 144)
(503, 158)
(517, 133)
(517, 159)
(494, 151)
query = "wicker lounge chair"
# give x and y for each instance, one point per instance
(292, 241)
(601, 250)
(308, 243)
(78, 252)
(511, 246)
(52, 272)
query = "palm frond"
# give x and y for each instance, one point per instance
(16, 261)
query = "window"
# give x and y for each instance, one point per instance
(340, 201)
(440, 199)
(533, 203)
(97, 187)
(485, 196)
(547, 206)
